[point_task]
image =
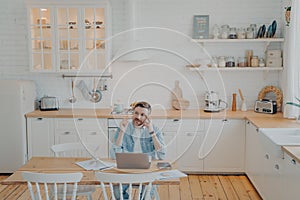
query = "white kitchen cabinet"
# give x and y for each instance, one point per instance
(291, 177)
(40, 136)
(188, 147)
(273, 160)
(190, 134)
(224, 145)
(254, 157)
(91, 130)
(64, 35)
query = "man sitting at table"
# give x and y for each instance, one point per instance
(139, 136)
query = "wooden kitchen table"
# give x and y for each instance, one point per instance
(67, 165)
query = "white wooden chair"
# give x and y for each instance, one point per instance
(130, 180)
(59, 183)
(76, 150)
(73, 149)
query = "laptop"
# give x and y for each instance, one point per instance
(133, 161)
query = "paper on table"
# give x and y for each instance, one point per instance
(170, 174)
(95, 164)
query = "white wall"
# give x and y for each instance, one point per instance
(157, 79)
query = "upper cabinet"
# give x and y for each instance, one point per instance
(69, 37)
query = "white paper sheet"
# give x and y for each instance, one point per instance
(95, 164)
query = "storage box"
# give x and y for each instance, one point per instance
(274, 62)
(275, 53)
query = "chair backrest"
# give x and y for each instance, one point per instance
(73, 149)
(110, 179)
(59, 182)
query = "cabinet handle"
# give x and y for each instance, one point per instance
(267, 156)
(277, 166)
(248, 122)
(224, 120)
(257, 130)
(190, 134)
(67, 132)
(293, 161)
(79, 119)
(175, 120)
(39, 119)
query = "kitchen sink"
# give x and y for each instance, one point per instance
(283, 136)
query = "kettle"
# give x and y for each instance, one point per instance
(213, 103)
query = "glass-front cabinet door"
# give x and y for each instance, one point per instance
(69, 38)
(94, 34)
(41, 39)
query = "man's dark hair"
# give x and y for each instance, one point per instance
(143, 104)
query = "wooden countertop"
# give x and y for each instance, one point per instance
(168, 113)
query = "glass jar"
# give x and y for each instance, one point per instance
(214, 62)
(254, 61)
(216, 31)
(261, 62)
(241, 33)
(254, 29)
(241, 62)
(250, 33)
(230, 62)
(221, 61)
(224, 31)
(232, 33)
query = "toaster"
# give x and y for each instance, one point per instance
(265, 106)
(49, 103)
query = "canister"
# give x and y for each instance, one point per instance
(254, 61)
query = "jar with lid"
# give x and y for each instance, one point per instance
(221, 61)
(230, 62)
(241, 62)
(232, 33)
(254, 61)
(214, 62)
(224, 31)
(261, 62)
(216, 31)
(254, 28)
(241, 33)
(250, 33)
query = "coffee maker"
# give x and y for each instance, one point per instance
(213, 103)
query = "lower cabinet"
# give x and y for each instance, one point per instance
(40, 136)
(224, 145)
(291, 178)
(45, 132)
(264, 164)
(188, 151)
(254, 157)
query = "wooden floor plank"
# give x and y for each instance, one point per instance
(195, 187)
(228, 188)
(209, 191)
(218, 186)
(250, 188)
(239, 188)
